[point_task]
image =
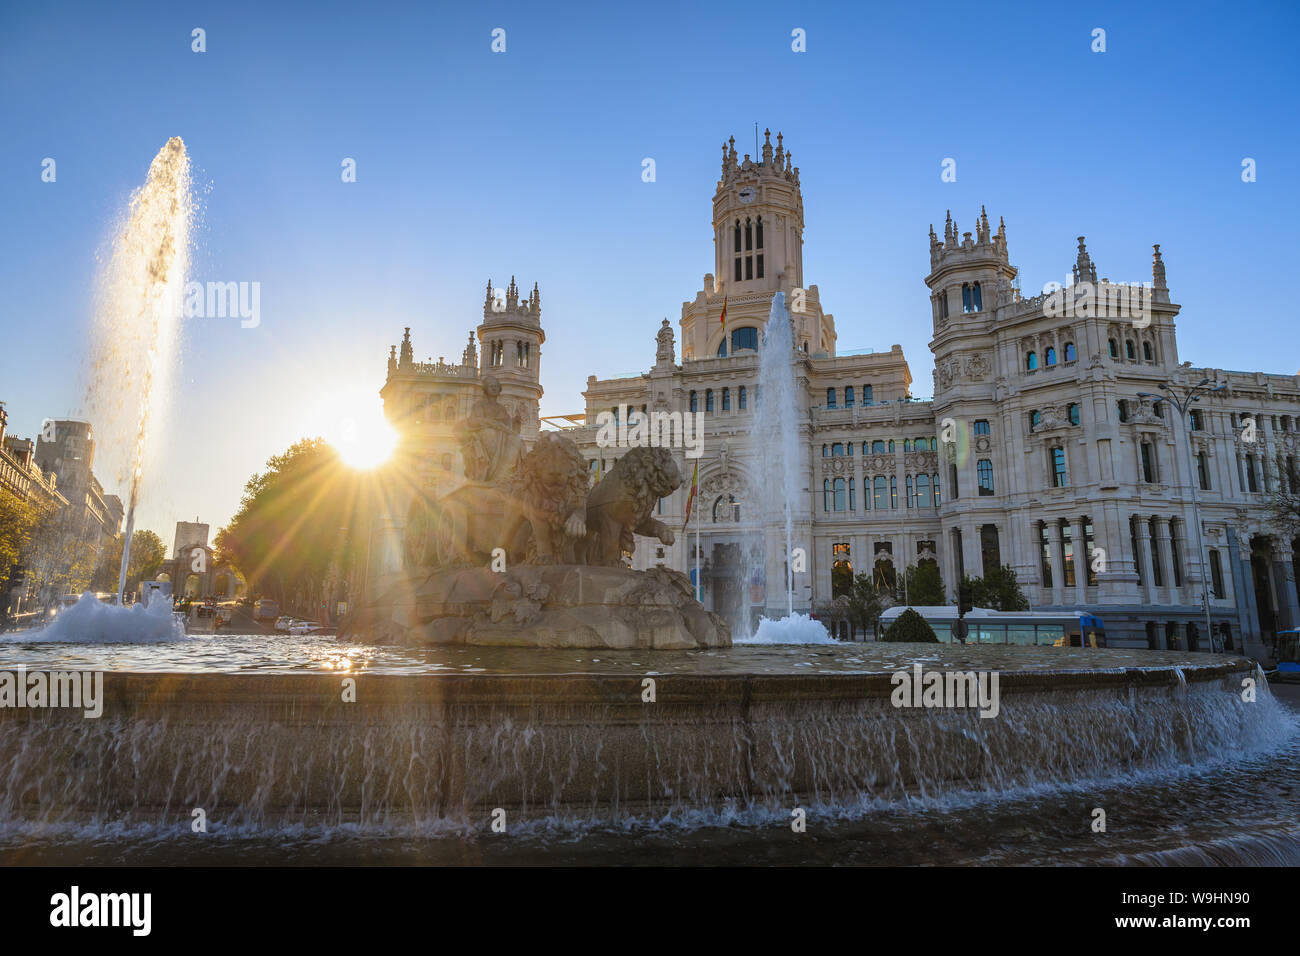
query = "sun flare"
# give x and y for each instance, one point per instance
(360, 433)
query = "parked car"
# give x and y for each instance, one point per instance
(282, 623)
(267, 610)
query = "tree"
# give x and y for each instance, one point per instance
(147, 556)
(999, 590)
(61, 559)
(296, 521)
(910, 628)
(1284, 507)
(19, 520)
(864, 602)
(924, 586)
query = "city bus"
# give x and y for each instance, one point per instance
(984, 626)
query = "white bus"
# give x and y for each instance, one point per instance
(985, 626)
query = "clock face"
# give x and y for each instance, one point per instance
(748, 195)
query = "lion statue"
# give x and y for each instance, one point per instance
(537, 515)
(621, 504)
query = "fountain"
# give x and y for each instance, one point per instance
(599, 709)
(776, 422)
(138, 315)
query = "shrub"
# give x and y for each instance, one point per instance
(910, 628)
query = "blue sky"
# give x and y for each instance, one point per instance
(472, 164)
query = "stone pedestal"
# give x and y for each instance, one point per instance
(537, 606)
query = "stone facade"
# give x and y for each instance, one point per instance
(1036, 450)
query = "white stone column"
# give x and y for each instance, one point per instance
(1147, 587)
(1165, 546)
(1081, 560)
(1058, 562)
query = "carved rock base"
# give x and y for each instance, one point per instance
(537, 606)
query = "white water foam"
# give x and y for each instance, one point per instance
(795, 629)
(91, 621)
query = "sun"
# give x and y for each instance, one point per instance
(361, 435)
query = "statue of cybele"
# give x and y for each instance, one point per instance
(489, 437)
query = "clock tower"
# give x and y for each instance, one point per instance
(757, 252)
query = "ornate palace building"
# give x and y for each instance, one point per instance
(1040, 448)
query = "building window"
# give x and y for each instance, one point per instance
(877, 447)
(744, 338)
(984, 469)
(880, 490)
(990, 550)
(1067, 553)
(837, 449)
(1114, 349)
(1045, 554)
(852, 505)
(934, 487)
(1251, 482)
(893, 492)
(952, 480)
(1049, 357)
(839, 489)
(1058, 468)
(826, 451)
(1031, 362)
(1198, 423)
(830, 398)
(1148, 463)
(943, 304)
(1070, 353)
(1216, 575)
(1035, 419)
(1203, 471)
(982, 427)
(708, 399)
(1122, 405)
(1147, 353)
(967, 304)
(743, 398)
(866, 395)
(1129, 350)
(1088, 539)
(726, 399)
(978, 299)
(826, 492)
(1176, 549)
(923, 499)
(695, 402)
(848, 396)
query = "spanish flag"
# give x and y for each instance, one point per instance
(723, 318)
(695, 487)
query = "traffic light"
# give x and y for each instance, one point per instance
(963, 599)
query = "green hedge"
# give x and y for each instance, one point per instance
(910, 628)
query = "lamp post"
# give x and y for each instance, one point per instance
(1184, 402)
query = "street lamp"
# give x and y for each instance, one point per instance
(1183, 402)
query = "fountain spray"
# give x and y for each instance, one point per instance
(139, 313)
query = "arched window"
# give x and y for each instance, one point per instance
(849, 449)
(907, 444)
(979, 301)
(826, 451)
(839, 490)
(848, 396)
(1147, 353)
(830, 398)
(893, 492)
(1035, 419)
(967, 304)
(877, 447)
(910, 502)
(881, 490)
(852, 505)
(982, 426)
(739, 257)
(744, 338)
(1070, 354)
(708, 399)
(1129, 350)
(726, 399)
(934, 486)
(923, 499)
(1122, 405)
(743, 398)
(722, 505)
(1073, 412)
(1059, 479)
(1049, 357)
(1114, 349)
(837, 449)
(891, 446)
(695, 402)
(1031, 362)
(722, 347)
